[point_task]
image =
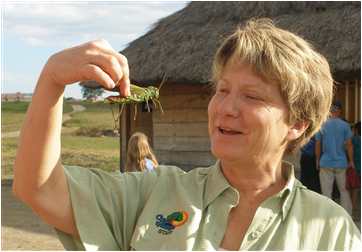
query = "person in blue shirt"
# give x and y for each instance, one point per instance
(332, 141)
(353, 183)
(356, 141)
(309, 173)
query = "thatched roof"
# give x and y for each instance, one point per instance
(183, 44)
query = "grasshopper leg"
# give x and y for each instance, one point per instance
(159, 103)
(154, 103)
(115, 120)
(148, 107)
(135, 112)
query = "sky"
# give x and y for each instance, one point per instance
(32, 31)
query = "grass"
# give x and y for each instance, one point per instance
(97, 115)
(13, 114)
(94, 106)
(11, 121)
(14, 106)
(8, 152)
(89, 152)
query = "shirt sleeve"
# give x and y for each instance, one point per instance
(318, 136)
(149, 164)
(106, 207)
(348, 236)
(348, 133)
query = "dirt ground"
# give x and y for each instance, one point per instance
(21, 229)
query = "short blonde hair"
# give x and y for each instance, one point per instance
(139, 149)
(278, 56)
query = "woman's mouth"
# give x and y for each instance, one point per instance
(227, 131)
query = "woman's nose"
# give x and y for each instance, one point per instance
(230, 106)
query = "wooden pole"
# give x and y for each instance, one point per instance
(346, 101)
(124, 135)
(356, 102)
(120, 129)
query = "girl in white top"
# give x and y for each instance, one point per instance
(140, 156)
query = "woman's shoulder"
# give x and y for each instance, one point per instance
(326, 221)
(176, 170)
(319, 204)
(195, 176)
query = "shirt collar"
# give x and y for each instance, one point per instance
(287, 194)
(216, 184)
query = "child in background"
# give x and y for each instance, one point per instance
(139, 155)
(353, 176)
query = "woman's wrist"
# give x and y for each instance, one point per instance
(48, 81)
(47, 92)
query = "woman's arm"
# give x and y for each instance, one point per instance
(349, 148)
(39, 178)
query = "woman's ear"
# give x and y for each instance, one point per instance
(297, 130)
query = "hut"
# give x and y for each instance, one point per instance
(183, 44)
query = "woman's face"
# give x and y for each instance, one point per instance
(247, 116)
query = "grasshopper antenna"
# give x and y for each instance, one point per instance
(162, 82)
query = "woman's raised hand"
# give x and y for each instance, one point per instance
(39, 177)
(95, 60)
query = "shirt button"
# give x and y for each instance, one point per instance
(253, 235)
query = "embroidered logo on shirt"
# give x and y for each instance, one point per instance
(167, 225)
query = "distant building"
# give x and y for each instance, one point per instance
(18, 96)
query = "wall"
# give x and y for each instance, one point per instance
(180, 134)
(349, 94)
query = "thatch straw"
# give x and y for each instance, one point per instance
(183, 44)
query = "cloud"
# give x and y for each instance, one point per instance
(23, 82)
(64, 24)
(33, 31)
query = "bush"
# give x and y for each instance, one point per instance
(14, 106)
(89, 131)
(96, 132)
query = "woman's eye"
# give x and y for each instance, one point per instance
(221, 90)
(253, 97)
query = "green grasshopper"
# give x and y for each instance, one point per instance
(138, 95)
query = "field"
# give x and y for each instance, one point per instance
(79, 146)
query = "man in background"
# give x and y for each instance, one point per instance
(309, 173)
(332, 141)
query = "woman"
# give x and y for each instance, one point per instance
(272, 92)
(353, 174)
(139, 154)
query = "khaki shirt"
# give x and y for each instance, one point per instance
(170, 209)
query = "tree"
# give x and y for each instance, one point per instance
(91, 93)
